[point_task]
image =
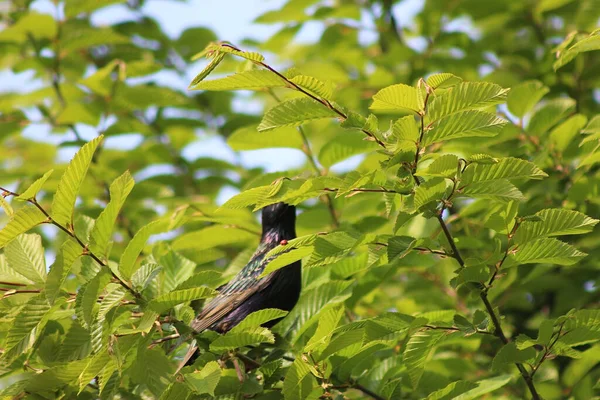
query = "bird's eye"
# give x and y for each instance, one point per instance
(283, 242)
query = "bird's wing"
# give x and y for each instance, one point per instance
(236, 292)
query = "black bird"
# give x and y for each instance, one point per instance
(246, 293)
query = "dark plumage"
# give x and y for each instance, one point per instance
(245, 293)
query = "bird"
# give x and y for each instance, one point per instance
(246, 292)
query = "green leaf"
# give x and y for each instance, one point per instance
(205, 380)
(466, 96)
(419, 347)
(39, 26)
(294, 112)
(35, 187)
(430, 191)
(76, 344)
(524, 96)
(212, 236)
(218, 57)
(102, 231)
(464, 124)
(248, 80)
(68, 253)
(578, 369)
(252, 56)
(8, 210)
(63, 202)
(505, 168)
(565, 133)
(443, 80)
(169, 300)
(549, 114)
(501, 190)
(445, 166)
(76, 7)
(242, 337)
(452, 390)
(472, 273)
(484, 386)
(284, 259)
(23, 220)
(257, 318)
(510, 354)
(344, 145)
(554, 222)
(328, 321)
(25, 329)
(547, 250)
(136, 245)
(25, 255)
(314, 85)
(249, 138)
(87, 296)
(593, 126)
(298, 382)
(399, 246)
(396, 98)
(589, 43)
(153, 369)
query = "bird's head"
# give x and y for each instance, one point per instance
(279, 217)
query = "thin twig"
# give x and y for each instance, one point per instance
(324, 102)
(72, 234)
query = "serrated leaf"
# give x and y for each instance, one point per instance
(294, 112)
(152, 368)
(63, 202)
(589, 43)
(399, 246)
(76, 344)
(344, 145)
(328, 321)
(168, 300)
(430, 191)
(35, 187)
(21, 221)
(505, 168)
(249, 138)
(87, 296)
(464, 124)
(501, 190)
(445, 166)
(205, 380)
(466, 96)
(207, 70)
(555, 222)
(396, 98)
(471, 273)
(8, 210)
(102, 231)
(241, 338)
(258, 318)
(25, 255)
(252, 56)
(418, 348)
(25, 329)
(298, 382)
(524, 96)
(68, 253)
(248, 80)
(547, 250)
(136, 245)
(510, 354)
(443, 80)
(406, 129)
(284, 259)
(313, 85)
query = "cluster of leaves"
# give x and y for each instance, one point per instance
(449, 264)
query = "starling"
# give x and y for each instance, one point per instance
(246, 293)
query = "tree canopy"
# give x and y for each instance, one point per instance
(447, 201)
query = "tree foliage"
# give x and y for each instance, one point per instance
(457, 260)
